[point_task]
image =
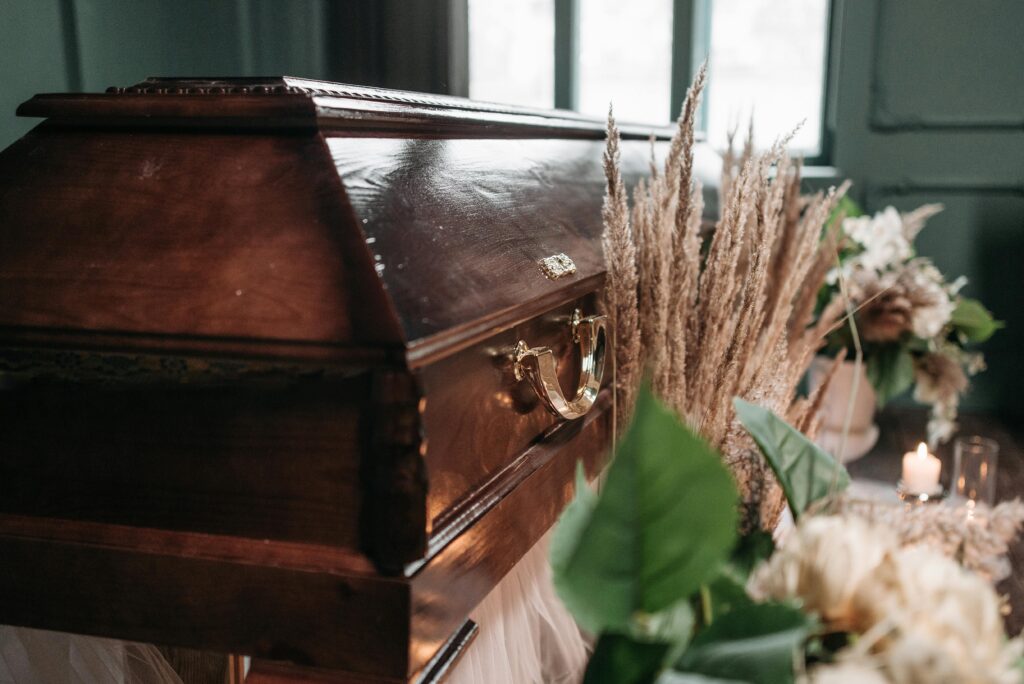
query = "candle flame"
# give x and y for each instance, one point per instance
(922, 450)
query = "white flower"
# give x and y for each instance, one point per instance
(822, 564)
(920, 617)
(882, 237)
(933, 306)
(937, 621)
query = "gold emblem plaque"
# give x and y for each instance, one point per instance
(557, 265)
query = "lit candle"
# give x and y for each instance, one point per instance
(921, 471)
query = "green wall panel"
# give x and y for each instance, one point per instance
(927, 93)
(123, 41)
(89, 45)
(32, 59)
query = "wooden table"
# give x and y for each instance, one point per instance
(902, 429)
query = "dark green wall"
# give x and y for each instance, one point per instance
(929, 107)
(89, 45)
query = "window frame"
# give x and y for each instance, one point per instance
(691, 19)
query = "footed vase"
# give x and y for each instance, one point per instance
(841, 399)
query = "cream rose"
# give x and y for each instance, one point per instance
(822, 564)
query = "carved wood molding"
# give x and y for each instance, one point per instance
(289, 101)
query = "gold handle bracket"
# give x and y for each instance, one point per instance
(538, 365)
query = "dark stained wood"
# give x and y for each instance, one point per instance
(290, 102)
(479, 418)
(901, 429)
(277, 458)
(307, 604)
(255, 387)
(435, 671)
(394, 517)
(183, 235)
(504, 529)
(473, 218)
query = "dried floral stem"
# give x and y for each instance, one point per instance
(734, 322)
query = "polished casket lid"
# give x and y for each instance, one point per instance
(290, 217)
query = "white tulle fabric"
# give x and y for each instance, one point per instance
(32, 656)
(526, 635)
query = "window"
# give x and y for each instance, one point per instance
(511, 51)
(625, 56)
(767, 60)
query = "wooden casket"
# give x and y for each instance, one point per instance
(277, 363)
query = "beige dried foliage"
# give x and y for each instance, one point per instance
(979, 539)
(620, 252)
(734, 321)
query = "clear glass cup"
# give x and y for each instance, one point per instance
(975, 460)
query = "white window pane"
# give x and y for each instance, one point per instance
(512, 51)
(767, 58)
(626, 58)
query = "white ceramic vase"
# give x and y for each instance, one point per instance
(863, 432)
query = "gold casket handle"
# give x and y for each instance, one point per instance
(537, 364)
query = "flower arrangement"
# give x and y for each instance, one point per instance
(914, 326)
(670, 565)
(730, 316)
(653, 565)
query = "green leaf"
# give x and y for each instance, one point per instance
(975, 321)
(618, 659)
(725, 594)
(757, 643)
(672, 625)
(573, 522)
(662, 525)
(753, 548)
(806, 473)
(890, 370)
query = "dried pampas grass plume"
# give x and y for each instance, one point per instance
(736, 320)
(621, 289)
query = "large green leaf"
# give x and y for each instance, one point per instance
(723, 595)
(975, 321)
(663, 523)
(890, 370)
(805, 471)
(618, 659)
(757, 643)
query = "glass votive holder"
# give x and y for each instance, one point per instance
(975, 460)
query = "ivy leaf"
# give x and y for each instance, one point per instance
(972, 319)
(757, 643)
(618, 659)
(805, 472)
(663, 524)
(890, 371)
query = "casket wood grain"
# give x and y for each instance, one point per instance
(255, 345)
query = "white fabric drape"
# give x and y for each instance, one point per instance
(32, 656)
(526, 635)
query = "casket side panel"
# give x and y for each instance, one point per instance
(189, 236)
